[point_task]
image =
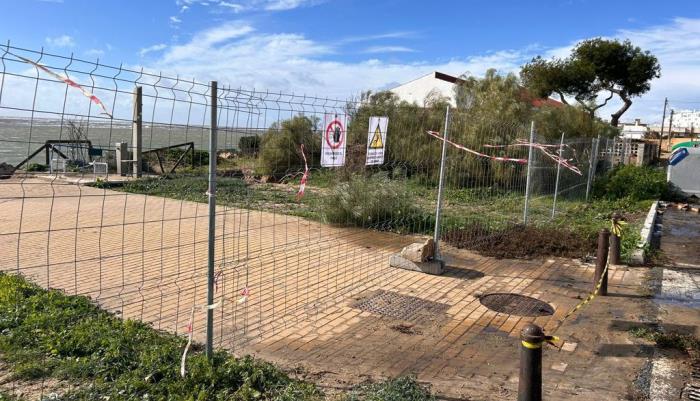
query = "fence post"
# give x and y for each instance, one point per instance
(529, 173)
(530, 381)
(623, 153)
(601, 262)
(137, 132)
(556, 183)
(591, 168)
(441, 183)
(615, 241)
(211, 193)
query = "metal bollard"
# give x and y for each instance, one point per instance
(602, 261)
(615, 241)
(530, 381)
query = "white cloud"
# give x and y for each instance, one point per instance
(234, 53)
(388, 49)
(280, 5)
(248, 5)
(235, 7)
(150, 49)
(175, 20)
(60, 41)
(203, 44)
(94, 52)
(387, 35)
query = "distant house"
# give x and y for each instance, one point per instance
(635, 130)
(440, 84)
(686, 119)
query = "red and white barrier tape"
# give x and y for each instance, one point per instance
(474, 152)
(69, 82)
(245, 293)
(559, 160)
(302, 185)
(190, 331)
(542, 147)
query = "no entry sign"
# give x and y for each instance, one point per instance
(333, 142)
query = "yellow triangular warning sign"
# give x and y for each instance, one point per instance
(376, 139)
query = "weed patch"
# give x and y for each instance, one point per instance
(686, 343)
(401, 389)
(521, 241)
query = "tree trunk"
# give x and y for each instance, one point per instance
(615, 117)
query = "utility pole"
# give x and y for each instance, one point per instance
(670, 131)
(663, 121)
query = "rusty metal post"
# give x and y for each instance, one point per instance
(615, 241)
(137, 132)
(530, 381)
(602, 261)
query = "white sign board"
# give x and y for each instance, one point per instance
(376, 140)
(333, 140)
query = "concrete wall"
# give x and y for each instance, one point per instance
(686, 174)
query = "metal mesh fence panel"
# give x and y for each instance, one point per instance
(105, 180)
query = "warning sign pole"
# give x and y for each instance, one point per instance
(441, 184)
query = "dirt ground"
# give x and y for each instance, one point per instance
(323, 301)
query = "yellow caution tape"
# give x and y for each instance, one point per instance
(536, 345)
(616, 227)
(531, 345)
(591, 296)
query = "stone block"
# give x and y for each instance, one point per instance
(430, 267)
(419, 252)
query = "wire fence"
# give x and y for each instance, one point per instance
(106, 175)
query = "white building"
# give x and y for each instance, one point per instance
(439, 84)
(635, 130)
(435, 83)
(686, 119)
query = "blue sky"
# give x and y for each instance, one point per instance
(340, 47)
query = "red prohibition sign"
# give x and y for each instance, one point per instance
(330, 130)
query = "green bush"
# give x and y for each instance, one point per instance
(634, 182)
(249, 145)
(36, 167)
(280, 153)
(196, 157)
(375, 202)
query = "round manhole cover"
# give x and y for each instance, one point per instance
(516, 304)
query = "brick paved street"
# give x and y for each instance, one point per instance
(145, 257)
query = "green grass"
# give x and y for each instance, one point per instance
(47, 334)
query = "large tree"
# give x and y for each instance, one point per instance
(595, 67)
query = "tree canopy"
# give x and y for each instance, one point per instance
(595, 66)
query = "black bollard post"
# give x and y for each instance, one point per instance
(530, 382)
(615, 240)
(601, 262)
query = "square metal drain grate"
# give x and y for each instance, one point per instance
(402, 307)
